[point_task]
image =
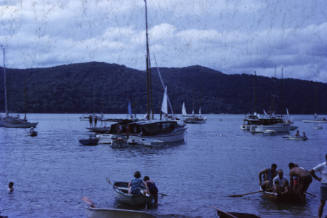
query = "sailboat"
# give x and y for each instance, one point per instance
(192, 118)
(7, 120)
(150, 131)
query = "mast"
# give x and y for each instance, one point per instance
(148, 68)
(253, 90)
(5, 79)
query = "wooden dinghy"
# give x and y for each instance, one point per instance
(223, 214)
(290, 198)
(123, 197)
(91, 141)
(114, 213)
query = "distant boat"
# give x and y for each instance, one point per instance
(32, 132)
(7, 120)
(298, 138)
(316, 120)
(91, 141)
(192, 118)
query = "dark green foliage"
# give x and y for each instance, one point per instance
(100, 87)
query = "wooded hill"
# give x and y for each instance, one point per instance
(101, 87)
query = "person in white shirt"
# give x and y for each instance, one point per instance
(322, 169)
(280, 183)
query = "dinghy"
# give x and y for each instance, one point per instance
(123, 197)
(298, 138)
(223, 214)
(91, 141)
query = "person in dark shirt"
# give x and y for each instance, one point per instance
(153, 190)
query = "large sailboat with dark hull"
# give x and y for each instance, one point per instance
(7, 120)
(159, 131)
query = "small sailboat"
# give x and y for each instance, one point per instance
(7, 120)
(192, 118)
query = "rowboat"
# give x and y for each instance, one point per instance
(113, 213)
(92, 140)
(298, 138)
(287, 198)
(123, 197)
(223, 214)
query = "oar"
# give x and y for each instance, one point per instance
(88, 201)
(241, 195)
(313, 195)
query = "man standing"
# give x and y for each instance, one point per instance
(300, 179)
(268, 176)
(322, 169)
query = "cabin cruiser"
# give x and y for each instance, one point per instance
(270, 122)
(250, 120)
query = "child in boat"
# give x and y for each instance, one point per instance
(280, 183)
(137, 185)
(153, 190)
(11, 187)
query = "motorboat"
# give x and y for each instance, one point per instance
(298, 138)
(32, 132)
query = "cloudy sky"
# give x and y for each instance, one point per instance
(233, 36)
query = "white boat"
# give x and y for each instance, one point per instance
(316, 120)
(123, 197)
(192, 118)
(269, 132)
(318, 127)
(270, 122)
(298, 138)
(7, 120)
(115, 213)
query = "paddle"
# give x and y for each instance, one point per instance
(88, 201)
(313, 195)
(241, 195)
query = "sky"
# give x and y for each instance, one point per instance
(231, 36)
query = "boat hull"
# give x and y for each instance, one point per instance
(89, 142)
(123, 197)
(279, 127)
(223, 214)
(314, 121)
(289, 198)
(113, 213)
(175, 136)
(17, 125)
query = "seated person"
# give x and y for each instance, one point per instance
(137, 185)
(268, 175)
(280, 183)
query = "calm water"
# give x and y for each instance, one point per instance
(52, 172)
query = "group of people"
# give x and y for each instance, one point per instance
(297, 134)
(273, 180)
(137, 186)
(93, 120)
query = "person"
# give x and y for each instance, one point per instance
(90, 120)
(304, 136)
(136, 185)
(95, 121)
(11, 187)
(268, 175)
(297, 133)
(153, 190)
(280, 183)
(300, 179)
(322, 169)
